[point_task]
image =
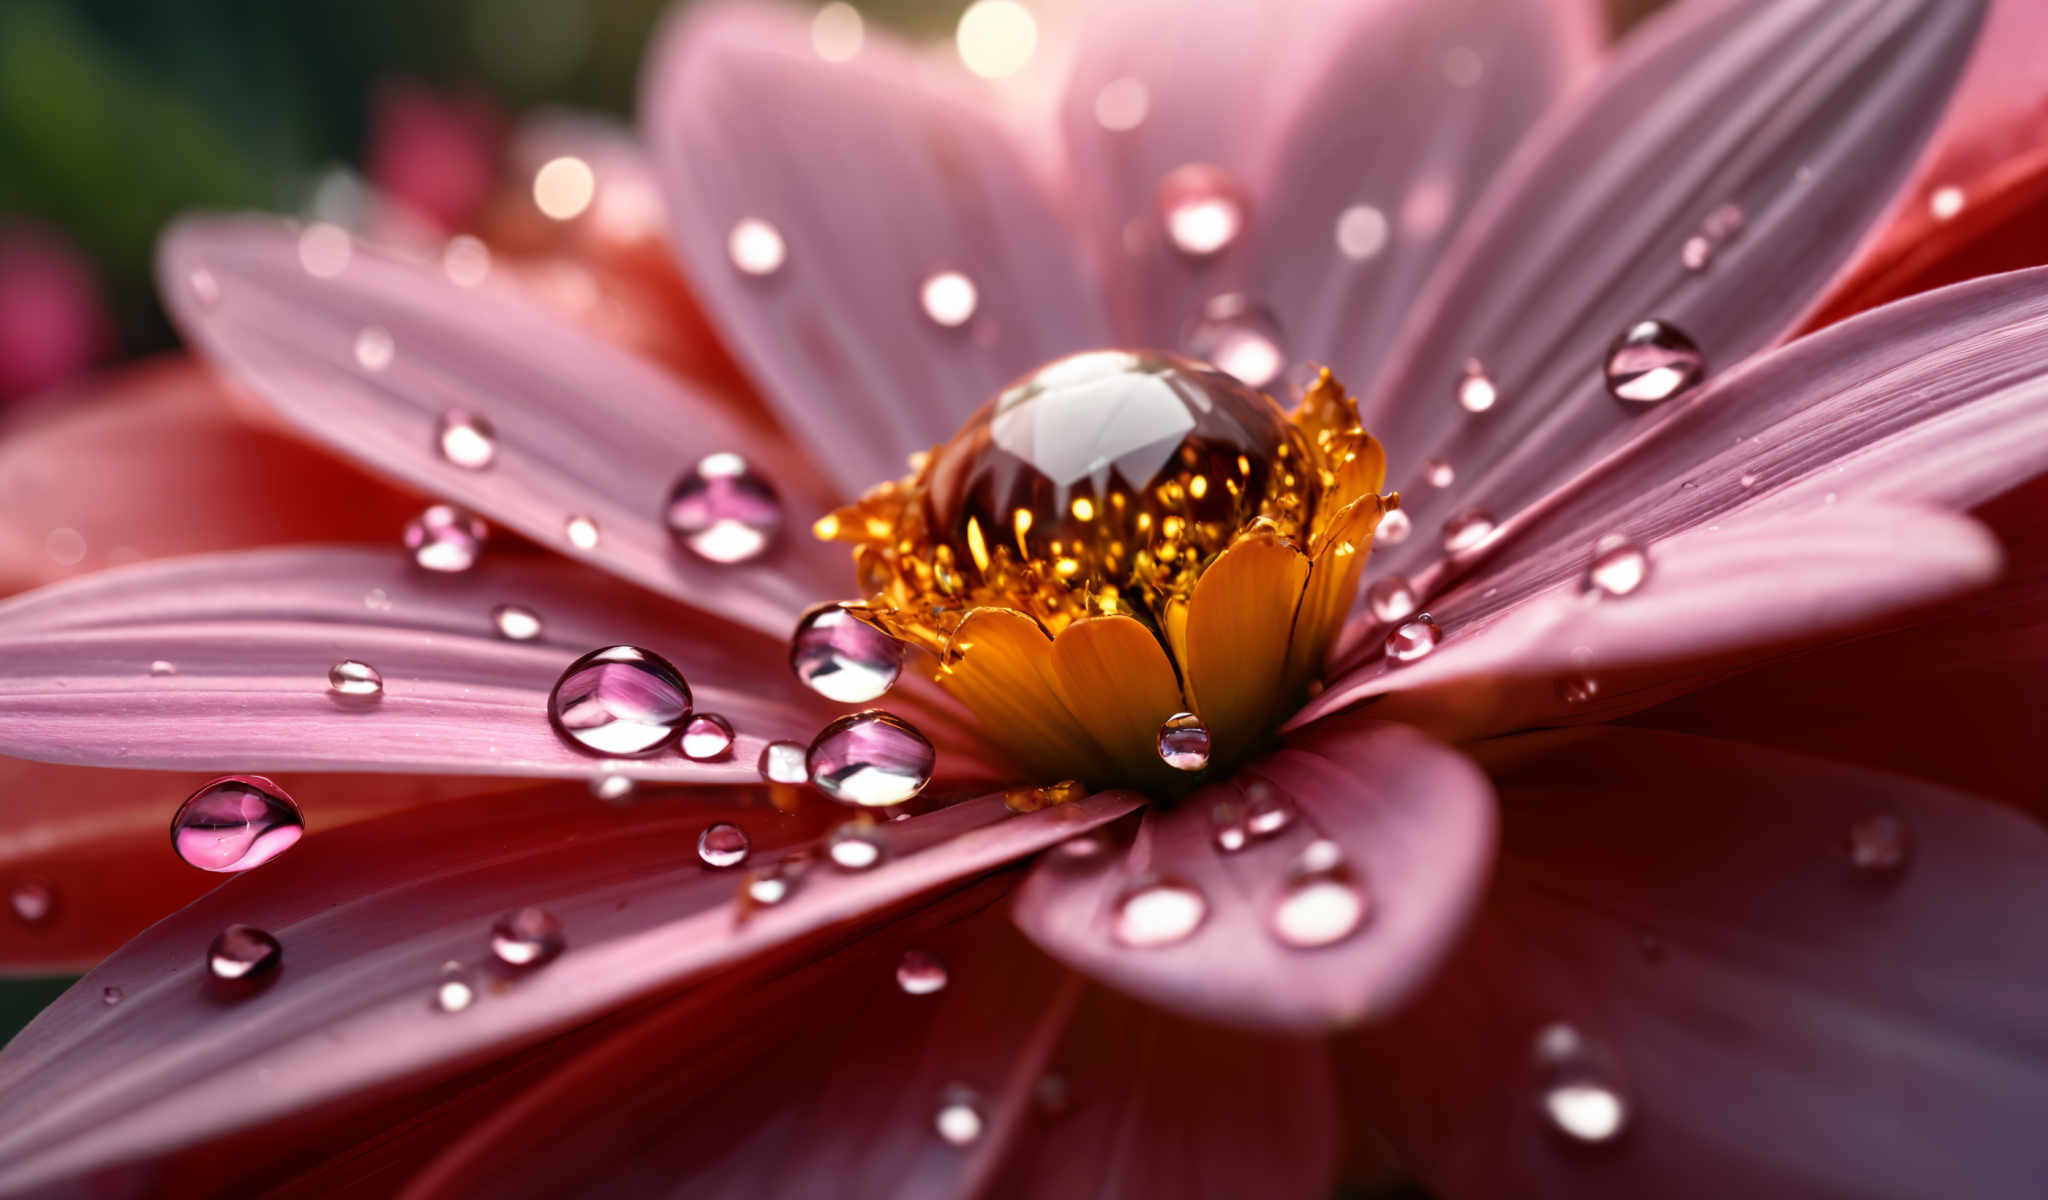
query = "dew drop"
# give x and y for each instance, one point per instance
(756, 247)
(1651, 362)
(959, 1118)
(1158, 912)
(620, 701)
(564, 187)
(242, 952)
(776, 882)
(355, 680)
(948, 298)
(1322, 902)
(1395, 527)
(445, 539)
(466, 439)
(1619, 566)
(1476, 390)
(920, 973)
(1122, 104)
(1748, 480)
(723, 845)
(854, 847)
(377, 600)
(162, 667)
(1239, 337)
(204, 286)
(1879, 845)
(723, 510)
(1413, 639)
(455, 991)
(1361, 232)
(111, 996)
(612, 787)
(1467, 530)
(871, 759)
(783, 762)
(1226, 822)
(1945, 202)
(234, 823)
(466, 260)
(581, 532)
(1580, 1096)
(1184, 742)
(706, 738)
(515, 622)
(1391, 599)
(1202, 209)
(324, 250)
(1696, 253)
(374, 348)
(33, 901)
(1438, 473)
(841, 657)
(527, 937)
(1265, 813)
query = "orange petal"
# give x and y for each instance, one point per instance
(1001, 666)
(1240, 621)
(1117, 682)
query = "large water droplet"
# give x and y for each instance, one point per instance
(854, 847)
(515, 622)
(1157, 911)
(1413, 639)
(1879, 844)
(949, 298)
(1651, 362)
(619, 701)
(1237, 336)
(1391, 599)
(1202, 209)
(1580, 1095)
(1476, 390)
(446, 539)
(783, 762)
(1184, 742)
(354, 680)
(33, 901)
(920, 973)
(706, 737)
(1619, 566)
(723, 510)
(1322, 901)
(723, 845)
(1467, 530)
(872, 759)
(466, 439)
(243, 952)
(234, 823)
(843, 658)
(527, 937)
(959, 1118)
(756, 247)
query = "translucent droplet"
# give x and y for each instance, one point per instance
(1412, 639)
(1467, 530)
(581, 532)
(515, 622)
(1265, 812)
(1361, 232)
(111, 996)
(723, 845)
(1748, 480)
(1239, 337)
(1157, 912)
(1577, 689)
(1476, 390)
(723, 510)
(920, 973)
(783, 762)
(33, 901)
(243, 952)
(1322, 901)
(527, 937)
(756, 247)
(948, 298)
(377, 600)
(1697, 253)
(324, 250)
(959, 1119)
(1580, 1095)
(872, 759)
(841, 657)
(1879, 844)
(204, 286)
(446, 539)
(620, 701)
(355, 680)
(1184, 742)
(162, 667)
(455, 991)
(854, 847)
(466, 439)
(1619, 566)
(1723, 223)
(1391, 599)
(1438, 473)
(1082, 848)
(234, 823)
(1651, 362)
(374, 348)
(1395, 527)
(1122, 104)
(1202, 209)
(612, 787)
(1226, 823)
(706, 737)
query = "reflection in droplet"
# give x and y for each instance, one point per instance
(1157, 911)
(776, 882)
(242, 952)
(1413, 639)
(515, 622)
(446, 539)
(1184, 742)
(1202, 209)
(466, 440)
(1391, 599)
(612, 786)
(706, 737)
(1266, 813)
(1467, 530)
(1650, 362)
(1580, 1095)
(871, 759)
(111, 996)
(756, 247)
(920, 973)
(1619, 566)
(723, 845)
(355, 680)
(841, 657)
(619, 701)
(1879, 844)
(1476, 390)
(234, 823)
(162, 667)
(1323, 901)
(723, 510)
(1240, 337)
(948, 298)
(527, 937)
(1395, 527)
(783, 762)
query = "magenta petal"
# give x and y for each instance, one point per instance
(1805, 114)
(368, 915)
(1778, 1019)
(372, 355)
(874, 184)
(1411, 821)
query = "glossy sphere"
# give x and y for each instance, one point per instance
(620, 700)
(723, 510)
(1651, 362)
(843, 658)
(870, 759)
(235, 823)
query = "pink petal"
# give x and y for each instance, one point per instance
(1714, 600)
(369, 914)
(247, 641)
(1779, 1021)
(1805, 114)
(1413, 822)
(876, 183)
(581, 429)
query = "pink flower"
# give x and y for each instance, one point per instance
(1646, 866)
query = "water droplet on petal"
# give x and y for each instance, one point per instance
(1413, 639)
(1395, 527)
(111, 996)
(1391, 599)
(1476, 390)
(723, 510)
(1226, 820)
(1748, 480)
(841, 657)
(377, 600)
(776, 882)
(1467, 530)
(515, 622)
(33, 901)
(1157, 912)
(756, 247)
(949, 298)
(1651, 362)
(581, 532)
(1879, 844)
(234, 823)
(872, 759)
(620, 701)
(920, 973)
(466, 440)
(1322, 902)
(1619, 566)
(355, 680)
(374, 348)
(1239, 337)
(959, 1118)
(1945, 202)
(1697, 253)
(243, 952)
(723, 845)
(204, 286)
(455, 991)
(1361, 231)
(324, 250)
(1266, 813)
(1122, 104)
(1580, 1095)
(1184, 742)
(162, 667)
(783, 762)
(1202, 209)
(445, 539)
(527, 937)
(1723, 223)
(466, 260)
(612, 787)
(854, 847)
(1438, 473)
(706, 737)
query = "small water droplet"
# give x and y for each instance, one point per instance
(374, 348)
(111, 996)
(1322, 902)
(1184, 742)
(776, 882)
(242, 952)
(581, 532)
(324, 250)
(445, 539)
(33, 901)
(455, 991)
(783, 762)
(1945, 202)
(1226, 822)
(854, 847)
(1467, 530)
(466, 439)
(920, 973)
(612, 787)
(756, 247)
(1651, 362)
(1391, 599)
(1157, 911)
(949, 298)
(620, 701)
(1395, 527)
(1081, 848)
(723, 510)
(841, 657)
(706, 738)
(1723, 223)
(204, 286)
(723, 845)
(1438, 473)
(234, 823)
(1413, 639)
(1879, 844)
(355, 680)
(872, 759)
(1122, 104)
(1361, 232)
(527, 937)
(162, 667)
(1619, 566)
(377, 600)
(1202, 209)
(1265, 812)
(1697, 253)
(1748, 479)
(1239, 337)
(466, 260)
(1580, 1095)
(1577, 689)
(515, 622)
(959, 1118)
(1476, 390)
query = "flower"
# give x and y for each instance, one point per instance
(1541, 952)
